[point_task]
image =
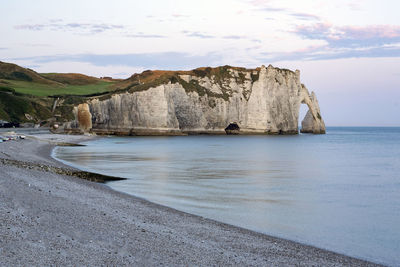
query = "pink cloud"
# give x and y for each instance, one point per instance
(348, 41)
(374, 31)
(330, 32)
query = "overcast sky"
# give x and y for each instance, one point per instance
(348, 51)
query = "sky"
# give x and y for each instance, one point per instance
(348, 51)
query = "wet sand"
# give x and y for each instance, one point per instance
(48, 218)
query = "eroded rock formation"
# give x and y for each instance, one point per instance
(84, 117)
(312, 122)
(243, 101)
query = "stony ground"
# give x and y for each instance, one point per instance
(49, 218)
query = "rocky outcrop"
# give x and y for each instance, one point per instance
(84, 117)
(312, 122)
(213, 101)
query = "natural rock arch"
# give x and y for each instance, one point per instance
(312, 122)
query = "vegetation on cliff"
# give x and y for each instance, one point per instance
(27, 96)
(15, 107)
(220, 75)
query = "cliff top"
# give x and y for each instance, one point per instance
(221, 71)
(151, 78)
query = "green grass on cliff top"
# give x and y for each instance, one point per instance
(39, 89)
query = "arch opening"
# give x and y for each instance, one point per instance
(302, 113)
(233, 128)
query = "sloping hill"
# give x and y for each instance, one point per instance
(27, 96)
(11, 71)
(27, 81)
(71, 78)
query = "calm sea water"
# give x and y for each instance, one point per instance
(339, 191)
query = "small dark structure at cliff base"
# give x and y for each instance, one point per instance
(232, 129)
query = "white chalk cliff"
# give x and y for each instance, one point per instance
(242, 101)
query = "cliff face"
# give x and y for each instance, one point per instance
(259, 101)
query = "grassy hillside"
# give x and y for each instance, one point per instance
(26, 96)
(10, 71)
(39, 89)
(71, 78)
(27, 81)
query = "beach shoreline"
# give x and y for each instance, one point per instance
(55, 219)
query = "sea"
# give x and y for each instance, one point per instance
(339, 191)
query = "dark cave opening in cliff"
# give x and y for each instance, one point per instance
(233, 128)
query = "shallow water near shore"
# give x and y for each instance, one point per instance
(339, 191)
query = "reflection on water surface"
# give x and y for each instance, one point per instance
(338, 191)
